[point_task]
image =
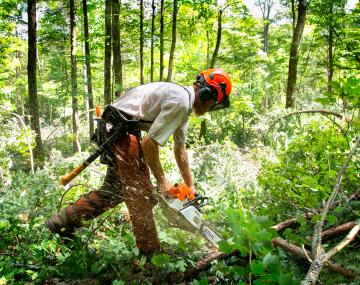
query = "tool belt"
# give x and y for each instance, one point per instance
(111, 120)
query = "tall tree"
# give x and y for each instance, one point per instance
(173, 39)
(117, 59)
(218, 39)
(294, 58)
(107, 59)
(75, 107)
(88, 68)
(141, 41)
(31, 68)
(162, 10)
(153, 8)
(265, 7)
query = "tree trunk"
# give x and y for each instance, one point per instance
(162, 10)
(88, 69)
(218, 40)
(141, 41)
(207, 48)
(117, 60)
(85, 97)
(293, 14)
(173, 40)
(31, 68)
(107, 60)
(330, 51)
(265, 6)
(152, 41)
(75, 108)
(293, 60)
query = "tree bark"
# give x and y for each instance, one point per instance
(294, 58)
(162, 10)
(330, 50)
(117, 58)
(218, 40)
(32, 86)
(153, 7)
(207, 49)
(141, 41)
(75, 107)
(265, 7)
(88, 69)
(107, 60)
(173, 40)
(337, 231)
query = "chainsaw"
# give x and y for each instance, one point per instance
(183, 210)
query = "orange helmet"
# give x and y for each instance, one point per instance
(219, 82)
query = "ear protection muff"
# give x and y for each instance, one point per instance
(205, 92)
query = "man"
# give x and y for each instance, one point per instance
(163, 109)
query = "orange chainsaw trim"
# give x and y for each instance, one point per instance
(181, 192)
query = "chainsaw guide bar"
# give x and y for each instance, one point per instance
(187, 218)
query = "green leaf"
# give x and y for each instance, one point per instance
(4, 224)
(288, 279)
(257, 267)
(160, 259)
(272, 262)
(263, 221)
(224, 246)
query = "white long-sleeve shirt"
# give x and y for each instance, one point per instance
(167, 105)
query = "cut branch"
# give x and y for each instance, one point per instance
(336, 231)
(318, 252)
(299, 252)
(345, 242)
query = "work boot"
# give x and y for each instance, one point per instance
(60, 224)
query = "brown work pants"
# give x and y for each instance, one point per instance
(128, 179)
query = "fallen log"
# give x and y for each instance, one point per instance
(290, 222)
(306, 254)
(336, 231)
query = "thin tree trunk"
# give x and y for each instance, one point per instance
(330, 51)
(88, 69)
(153, 7)
(173, 40)
(75, 108)
(117, 61)
(218, 40)
(31, 68)
(293, 14)
(86, 97)
(141, 41)
(19, 89)
(207, 48)
(293, 60)
(162, 10)
(107, 61)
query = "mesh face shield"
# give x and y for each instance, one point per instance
(225, 103)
